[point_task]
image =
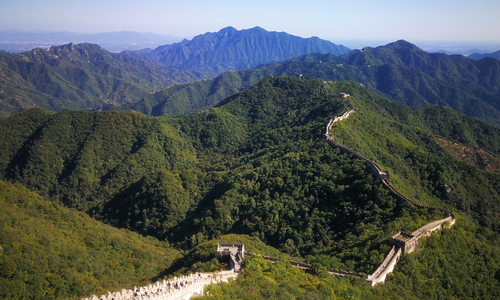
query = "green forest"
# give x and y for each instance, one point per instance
(254, 168)
(52, 252)
(83, 76)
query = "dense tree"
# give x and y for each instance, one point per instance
(257, 164)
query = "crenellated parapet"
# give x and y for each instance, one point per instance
(169, 289)
(407, 242)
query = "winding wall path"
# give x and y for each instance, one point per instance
(392, 258)
(195, 284)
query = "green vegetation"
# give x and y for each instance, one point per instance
(452, 264)
(52, 252)
(419, 166)
(256, 165)
(400, 71)
(83, 76)
(83, 159)
(201, 258)
(185, 99)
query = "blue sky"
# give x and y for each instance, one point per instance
(378, 20)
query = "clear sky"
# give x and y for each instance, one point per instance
(381, 20)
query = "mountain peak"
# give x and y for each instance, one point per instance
(232, 49)
(402, 44)
(227, 29)
(257, 28)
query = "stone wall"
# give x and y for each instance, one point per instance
(160, 290)
(392, 258)
(386, 267)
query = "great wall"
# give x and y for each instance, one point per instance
(185, 287)
(403, 242)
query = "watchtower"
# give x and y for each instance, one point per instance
(235, 253)
(406, 241)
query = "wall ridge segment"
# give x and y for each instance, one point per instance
(403, 242)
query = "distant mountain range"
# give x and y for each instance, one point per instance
(83, 76)
(399, 70)
(17, 41)
(231, 49)
(478, 56)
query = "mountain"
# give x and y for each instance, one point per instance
(189, 98)
(231, 49)
(52, 252)
(400, 71)
(19, 41)
(83, 76)
(257, 164)
(478, 56)
(417, 78)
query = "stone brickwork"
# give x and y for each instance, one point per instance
(386, 267)
(406, 242)
(170, 289)
(235, 253)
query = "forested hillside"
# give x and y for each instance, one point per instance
(257, 164)
(82, 76)
(52, 252)
(400, 71)
(186, 99)
(478, 56)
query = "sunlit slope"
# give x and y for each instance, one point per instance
(257, 164)
(52, 252)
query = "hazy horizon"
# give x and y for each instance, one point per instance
(387, 20)
(457, 47)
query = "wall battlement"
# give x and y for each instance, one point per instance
(235, 253)
(170, 289)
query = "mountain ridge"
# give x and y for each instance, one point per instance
(478, 56)
(229, 48)
(399, 70)
(256, 164)
(78, 76)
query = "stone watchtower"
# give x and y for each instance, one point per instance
(407, 242)
(234, 252)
